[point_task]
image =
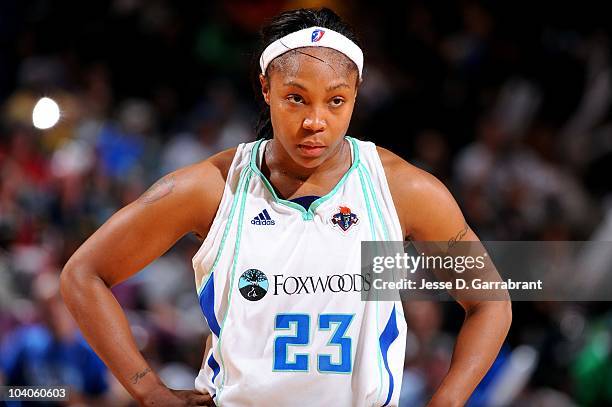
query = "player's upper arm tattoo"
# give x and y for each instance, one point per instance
(453, 240)
(161, 188)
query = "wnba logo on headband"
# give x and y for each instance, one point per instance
(312, 37)
(317, 35)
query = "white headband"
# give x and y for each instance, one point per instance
(312, 37)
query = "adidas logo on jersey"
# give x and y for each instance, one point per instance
(262, 219)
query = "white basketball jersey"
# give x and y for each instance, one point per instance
(280, 287)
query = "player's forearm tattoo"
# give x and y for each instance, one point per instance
(158, 190)
(453, 240)
(140, 375)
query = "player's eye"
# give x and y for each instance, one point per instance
(336, 102)
(295, 99)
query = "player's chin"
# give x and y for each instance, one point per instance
(310, 163)
(311, 157)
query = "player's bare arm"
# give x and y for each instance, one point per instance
(182, 202)
(428, 212)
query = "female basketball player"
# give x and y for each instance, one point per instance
(278, 271)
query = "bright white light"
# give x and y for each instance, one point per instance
(46, 114)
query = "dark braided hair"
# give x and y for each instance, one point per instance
(283, 24)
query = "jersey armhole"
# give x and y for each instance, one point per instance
(386, 189)
(229, 189)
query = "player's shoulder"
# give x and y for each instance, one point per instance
(405, 178)
(204, 181)
(198, 188)
(222, 161)
(417, 195)
(214, 169)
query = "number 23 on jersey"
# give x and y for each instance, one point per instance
(337, 324)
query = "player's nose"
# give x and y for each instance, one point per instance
(315, 120)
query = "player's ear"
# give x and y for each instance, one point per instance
(265, 87)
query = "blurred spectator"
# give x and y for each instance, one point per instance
(52, 352)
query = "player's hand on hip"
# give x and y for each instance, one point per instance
(177, 398)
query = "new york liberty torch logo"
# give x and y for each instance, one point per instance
(253, 284)
(344, 219)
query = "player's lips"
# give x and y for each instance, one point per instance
(311, 149)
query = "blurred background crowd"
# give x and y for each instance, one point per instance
(509, 104)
